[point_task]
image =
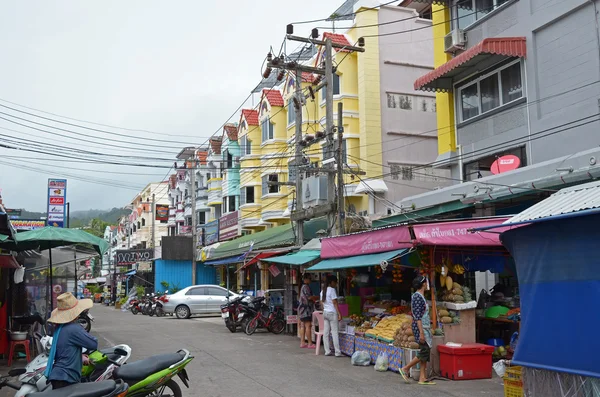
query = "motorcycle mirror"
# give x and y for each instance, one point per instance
(166, 292)
(17, 372)
(120, 352)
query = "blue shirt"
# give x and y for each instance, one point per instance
(418, 308)
(68, 362)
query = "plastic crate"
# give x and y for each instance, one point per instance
(513, 382)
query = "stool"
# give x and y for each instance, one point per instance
(15, 343)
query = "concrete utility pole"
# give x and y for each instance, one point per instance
(193, 198)
(298, 158)
(340, 171)
(153, 211)
(329, 146)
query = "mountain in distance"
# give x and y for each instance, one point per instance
(83, 218)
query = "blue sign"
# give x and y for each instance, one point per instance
(57, 202)
(211, 232)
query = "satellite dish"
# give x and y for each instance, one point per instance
(383, 264)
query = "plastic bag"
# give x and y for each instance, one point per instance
(500, 368)
(361, 358)
(382, 362)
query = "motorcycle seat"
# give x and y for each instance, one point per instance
(90, 389)
(110, 353)
(139, 370)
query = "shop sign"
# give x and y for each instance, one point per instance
(229, 226)
(458, 233)
(505, 163)
(129, 257)
(382, 240)
(162, 212)
(211, 232)
(185, 229)
(13, 214)
(274, 270)
(27, 224)
(57, 196)
(291, 319)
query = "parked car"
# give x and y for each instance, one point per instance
(197, 299)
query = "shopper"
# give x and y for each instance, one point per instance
(421, 327)
(331, 317)
(305, 311)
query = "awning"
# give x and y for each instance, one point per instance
(131, 273)
(227, 261)
(8, 261)
(299, 258)
(371, 186)
(261, 256)
(356, 261)
(441, 79)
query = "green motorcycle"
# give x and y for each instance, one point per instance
(154, 375)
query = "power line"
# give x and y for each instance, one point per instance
(333, 18)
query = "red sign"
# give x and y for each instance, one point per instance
(504, 164)
(274, 270)
(57, 200)
(372, 242)
(458, 233)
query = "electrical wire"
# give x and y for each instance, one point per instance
(344, 15)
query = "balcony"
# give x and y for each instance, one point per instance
(215, 193)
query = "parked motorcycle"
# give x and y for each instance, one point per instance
(85, 320)
(233, 312)
(146, 305)
(135, 306)
(158, 304)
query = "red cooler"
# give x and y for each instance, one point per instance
(469, 361)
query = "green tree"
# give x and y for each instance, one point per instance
(97, 227)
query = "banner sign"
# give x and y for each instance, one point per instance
(211, 232)
(162, 212)
(458, 233)
(130, 257)
(229, 226)
(57, 200)
(372, 242)
(27, 224)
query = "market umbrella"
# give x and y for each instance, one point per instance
(3, 237)
(50, 237)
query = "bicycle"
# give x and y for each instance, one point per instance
(274, 322)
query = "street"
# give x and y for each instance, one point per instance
(263, 364)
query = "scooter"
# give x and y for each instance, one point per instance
(85, 320)
(106, 388)
(101, 367)
(135, 306)
(234, 311)
(158, 304)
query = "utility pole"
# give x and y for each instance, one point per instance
(298, 160)
(329, 146)
(193, 197)
(153, 210)
(340, 172)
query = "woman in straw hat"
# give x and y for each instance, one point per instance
(65, 361)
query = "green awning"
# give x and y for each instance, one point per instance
(301, 257)
(356, 261)
(280, 236)
(422, 214)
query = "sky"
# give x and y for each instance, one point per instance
(157, 75)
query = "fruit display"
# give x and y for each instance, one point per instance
(397, 274)
(454, 292)
(458, 269)
(404, 337)
(356, 320)
(387, 327)
(365, 327)
(378, 272)
(399, 310)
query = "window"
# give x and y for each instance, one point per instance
(267, 130)
(268, 188)
(411, 102)
(200, 218)
(196, 291)
(336, 84)
(412, 172)
(291, 111)
(231, 202)
(426, 14)
(247, 195)
(143, 222)
(470, 11)
(216, 291)
(490, 91)
(246, 145)
(482, 167)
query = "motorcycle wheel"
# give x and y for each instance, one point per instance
(277, 326)
(85, 323)
(134, 310)
(251, 326)
(171, 389)
(230, 326)
(160, 312)
(151, 313)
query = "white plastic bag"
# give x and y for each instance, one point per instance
(382, 363)
(500, 368)
(361, 358)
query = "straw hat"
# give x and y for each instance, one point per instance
(69, 308)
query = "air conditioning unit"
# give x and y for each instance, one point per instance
(455, 41)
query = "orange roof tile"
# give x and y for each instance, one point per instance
(251, 116)
(215, 144)
(274, 97)
(232, 131)
(338, 39)
(202, 156)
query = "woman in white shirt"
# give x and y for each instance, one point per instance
(331, 317)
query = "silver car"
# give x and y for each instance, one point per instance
(197, 299)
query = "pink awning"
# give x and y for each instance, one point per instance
(371, 242)
(458, 234)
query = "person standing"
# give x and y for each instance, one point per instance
(331, 317)
(421, 327)
(65, 360)
(305, 311)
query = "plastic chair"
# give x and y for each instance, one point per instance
(15, 343)
(319, 334)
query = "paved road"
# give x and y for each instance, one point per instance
(262, 365)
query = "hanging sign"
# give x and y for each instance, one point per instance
(274, 270)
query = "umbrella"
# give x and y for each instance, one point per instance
(49, 237)
(3, 237)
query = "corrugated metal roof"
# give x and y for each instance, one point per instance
(565, 201)
(344, 12)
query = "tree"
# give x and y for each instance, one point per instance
(97, 227)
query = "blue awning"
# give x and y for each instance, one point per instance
(357, 261)
(226, 261)
(131, 273)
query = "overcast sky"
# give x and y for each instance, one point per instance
(176, 68)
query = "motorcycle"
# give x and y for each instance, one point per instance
(158, 304)
(135, 306)
(147, 305)
(106, 388)
(234, 311)
(102, 364)
(85, 320)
